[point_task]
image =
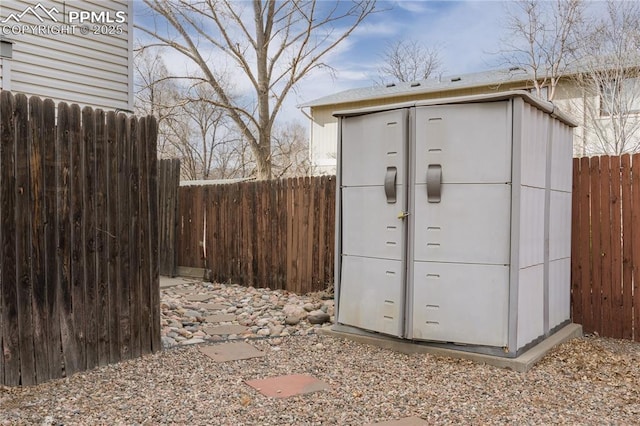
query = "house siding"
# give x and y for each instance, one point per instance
(90, 70)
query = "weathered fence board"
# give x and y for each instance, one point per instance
(10, 331)
(276, 234)
(79, 242)
(101, 238)
(53, 343)
(627, 253)
(151, 185)
(38, 278)
(88, 203)
(606, 245)
(168, 181)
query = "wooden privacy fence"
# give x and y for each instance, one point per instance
(277, 233)
(78, 260)
(280, 234)
(605, 261)
(168, 183)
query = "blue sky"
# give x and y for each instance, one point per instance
(467, 33)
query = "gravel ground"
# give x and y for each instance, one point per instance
(585, 381)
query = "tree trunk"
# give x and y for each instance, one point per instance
(263, 156)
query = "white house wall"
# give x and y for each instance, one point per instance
(323, 146)
(92, 69)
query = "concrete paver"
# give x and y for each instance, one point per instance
(407, 421)
(167, 282)
(222, 330)
(285, 386)
(231, 351)
(198, 297)
(220, 318)
(213, 306)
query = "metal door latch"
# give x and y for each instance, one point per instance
(402, 215)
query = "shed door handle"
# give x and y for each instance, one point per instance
(434, 183)
(390, 184)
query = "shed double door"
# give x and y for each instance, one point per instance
(425, 214)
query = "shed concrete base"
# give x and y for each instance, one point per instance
(521, 364)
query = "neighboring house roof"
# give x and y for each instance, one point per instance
(433, 85)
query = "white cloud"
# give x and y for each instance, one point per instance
(412, 6)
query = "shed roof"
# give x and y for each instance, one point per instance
(545, 106)
(441, 84)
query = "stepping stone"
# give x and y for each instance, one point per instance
(220, 318)
(198, 297)
(167, 282)
(285, 386)
(231, 351)
(407, 421)
(225, 329)
(182, 290)
(213, 306)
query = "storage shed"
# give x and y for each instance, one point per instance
(454, 221)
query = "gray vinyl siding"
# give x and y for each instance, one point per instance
(90, 70)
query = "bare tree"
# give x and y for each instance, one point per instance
(543, 39)
(273, 44)
(190, 126)
(290, 150)
(208, 131)
(408, 60)
(610, 81)
(157, 94)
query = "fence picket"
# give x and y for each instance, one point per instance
(133, 225)
(63, 236)
(576, 240)
(635, 218)
(89, 237)
(112, 232)
(606, 248)
(123, 139)
(54, 342)
(77, 238)
(616, 249)
(142, 238)
(10, 337)
(23, 242)
(102, 237)
(596, 250)
(151, 145)
(627, 254)
(38, 263)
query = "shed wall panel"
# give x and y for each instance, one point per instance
(530, 305)
(531, 226)
(559, 293)
(534, 146)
